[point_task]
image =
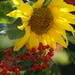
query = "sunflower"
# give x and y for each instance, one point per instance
(44, 24)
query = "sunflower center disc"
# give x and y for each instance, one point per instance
(41, 21)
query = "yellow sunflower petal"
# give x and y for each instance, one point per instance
(39, 3)
(68, 16)
(23, 26)
(63, 17)
(62, 33)
(63, 6)
(56, 13)
(33, 41)
(64, 25)
(19, 2)
(58, 0)
(55, 34)
(15, 13)
(52, 41)
(22, 41)
(26, 9)
(46, 39)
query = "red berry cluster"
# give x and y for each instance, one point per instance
(5, 64)
(71, 2)
(40, 57)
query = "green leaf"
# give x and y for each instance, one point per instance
(70, 58)
(28, 62)
(71, 39)
(54, 69)
(1, 55)
(40, 73)
(74, 62)
(47, 71)
(28, 73)
(25, 67)
(15, 33)
(5, 19)
(24, 1)
(12, 30)
(21, 51)
(6, 7)
(73, 54)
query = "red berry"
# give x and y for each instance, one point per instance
(19, 67)
(28, 57)
(14, 69)
(50, 53)
(42, 59)
(3, 62)
(40, 68)
(17, 72)
(2, 72)
(18, 56)
(2, 65)
(44, 66)
(6, 57)
(10, 69)
(41, 52)
(33, 49)
(14, 60)
(8, 52)
(51, 49)
(7, 65)
(47, 64)
(28, 53)
(36, 65)
(34, 60)
(5, 70)
(47, 46)
(40, 44)
(47, 57)
(7, 61)
(32, 56)
(8, 74)
(43, 47)
(37, 55)
(33, 69)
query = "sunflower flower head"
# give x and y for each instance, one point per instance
(44, 24)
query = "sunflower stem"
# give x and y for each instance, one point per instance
(47, 2)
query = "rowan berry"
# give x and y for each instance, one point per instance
(36, 65)
(14, 60)
(40, 68)
(33, 49)
(33, 69)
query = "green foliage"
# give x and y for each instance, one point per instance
(28, 73)
(47, 70)
(54, 69)
(9, 25)
(6, 7)
(11, 30)
(1, 55)
(73, 54)
(47, 2)
(71, 39)
(21, 51)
